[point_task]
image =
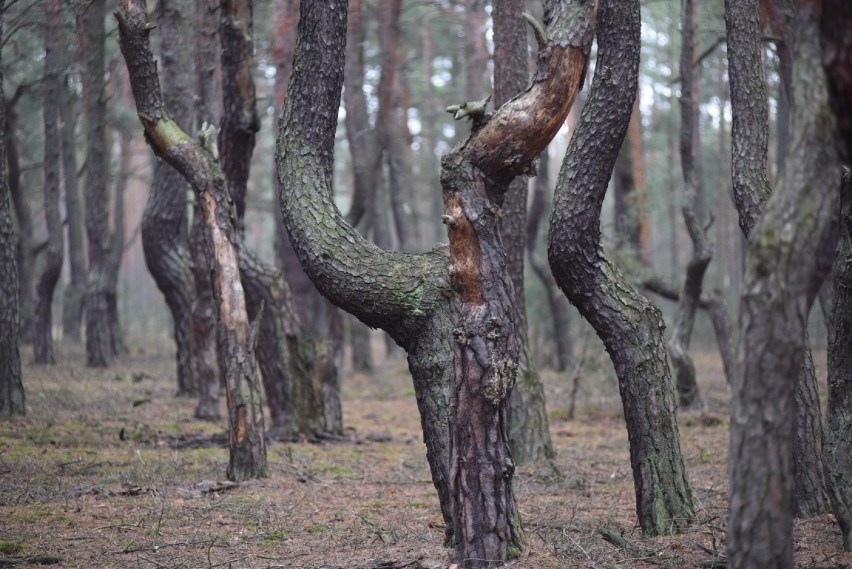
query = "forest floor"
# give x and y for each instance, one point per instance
(110, 470)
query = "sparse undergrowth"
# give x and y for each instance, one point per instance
(110, 470)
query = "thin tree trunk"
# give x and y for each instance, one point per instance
(98, 342)
(197, 162)
(529, 436)
(629, 325)
(429, 134)
(43, 328)
(12, 397)
(540, 211)
(75, 290)
(782, 262)
(24, 255)
(116, 254)
(203, 317)
(684, 369)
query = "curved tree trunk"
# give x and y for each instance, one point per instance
(75, 290)
(164, 224)
(98, 341)
(197, 162)
(203, 315)
(12, 398)
(529, 436)
(629, 325)
(43, 326)
(783, 259)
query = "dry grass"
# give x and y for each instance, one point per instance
(92, 477)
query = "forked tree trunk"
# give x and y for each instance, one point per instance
(783, 259)
(475, 178)
(197, 162)
(203, 315)
(164, 223)
(43, 327)
(529, 436)
(98, 341)
(12, 399)
(629, 325)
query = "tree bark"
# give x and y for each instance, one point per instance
(25, 253)
(629, 325)
(702, 254)
(429, 133)
(203, 317)
(164, 223)
(197, 162)
(783, 259)
(837, 444)
(98, 342)
(12, 397)
(43, 326)
(529, 436)
(837, 58)
(75, 290)
(116, 253)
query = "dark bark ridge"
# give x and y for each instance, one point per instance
(629, 325)
(475, 177)
(12, 398)
(837, 446)
(198, 163)
(778, 292)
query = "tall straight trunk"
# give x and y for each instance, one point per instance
(630, 221)
(539, 211)
(98, 342)
(267, 294)
(702, 254)
(429, 134)
(116, 254)
(837, 444)
(12, 397)
(197, 162)
(529, 436)
(43, 328)
(75, 290)
(164, 223)
(203, 317)
(25, 253)
(783, 260)
(475, 52)
(629, 325)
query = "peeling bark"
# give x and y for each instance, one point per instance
(629, 325)
(197, 162)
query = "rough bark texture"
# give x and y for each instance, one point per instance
(539, 212)
(475, 178)
(629, 325)
(836, 33)
(75, 290)
(403, 294)
(203, 315)
(25, 253)
(810, 497)
(197, 162)
(783, 257)
(98, 341)
(12, 399)
(684, 369)
(43, 325)
(529, 436)
(164, 223)
(837, 445)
